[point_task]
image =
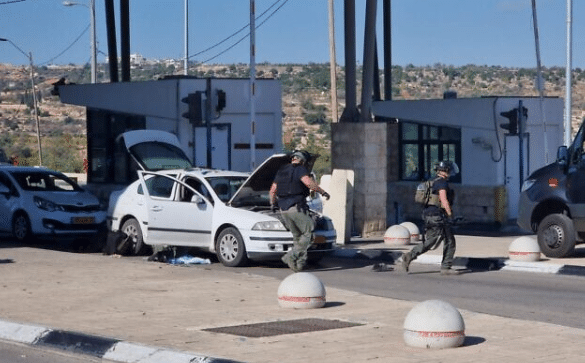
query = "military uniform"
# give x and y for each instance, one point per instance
(437, 229)
(292, 194)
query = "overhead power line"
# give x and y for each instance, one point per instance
(68, 47)
(11, 2)
(239, 31)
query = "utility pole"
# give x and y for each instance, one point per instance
(35, 102)
(186, 66)
(332, 62)
(252, 85)
(568, 73)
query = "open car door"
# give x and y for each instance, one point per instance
(178, 215)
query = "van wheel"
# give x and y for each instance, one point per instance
(230, 248)
(556, 236)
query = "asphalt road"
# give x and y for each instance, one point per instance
(556, 299)
(540, 297)
(17, 353)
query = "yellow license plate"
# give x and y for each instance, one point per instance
(83, 220)
(320, 239)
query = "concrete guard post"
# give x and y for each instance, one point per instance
(434, 324)
(301, 290)
(414, 231)
(397, 235)
(524, 249)
(339, 208)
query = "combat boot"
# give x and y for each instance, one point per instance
(406, 260)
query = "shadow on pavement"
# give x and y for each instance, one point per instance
(471, 340)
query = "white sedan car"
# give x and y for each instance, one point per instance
(39, 202)
(225, 212)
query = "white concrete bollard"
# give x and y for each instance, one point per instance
(397, 235)
(434, 324)
(414, 231)
(524, 249)
(301, 290)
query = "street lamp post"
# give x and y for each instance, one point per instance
(34, 93)
(91, 8)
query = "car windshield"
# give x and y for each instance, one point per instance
(44, 181)
(226, 186)
(160, 156)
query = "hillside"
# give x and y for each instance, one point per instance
(305, 101)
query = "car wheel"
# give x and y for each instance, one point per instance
(21, 229)
(556, 236)
(230, 248)
(133, 244)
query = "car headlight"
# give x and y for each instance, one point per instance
(528, 183)
(46, 204)
(269, 226)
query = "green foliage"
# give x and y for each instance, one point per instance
(315, 118)
(63, 153)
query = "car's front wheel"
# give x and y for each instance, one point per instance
(21, 229)
(132, 244)
(556, 236)
(230, 248)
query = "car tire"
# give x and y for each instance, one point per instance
(230, 248)
(556, 236)
(134, 245)
(21, 228)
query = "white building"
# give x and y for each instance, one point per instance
(113, 108)
(390, 158)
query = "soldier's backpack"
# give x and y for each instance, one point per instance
(424, 192)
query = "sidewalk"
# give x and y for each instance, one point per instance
(129, 310)
(474, 252)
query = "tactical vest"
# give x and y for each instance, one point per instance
(434, 198)
(290, 189)
(436, 201)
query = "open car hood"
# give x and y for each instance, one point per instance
(155, 150)
(255, 190)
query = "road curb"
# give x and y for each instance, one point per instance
(96, 346)
(472, 263)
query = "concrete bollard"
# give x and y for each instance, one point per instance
(301, 290)
(414, 231)
(397, 235)
(524, 249)
(434, 324)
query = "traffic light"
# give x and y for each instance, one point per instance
(512, 115)
(218, 102)
(195, 111)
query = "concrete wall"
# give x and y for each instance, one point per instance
(477, 204)
(363, 147)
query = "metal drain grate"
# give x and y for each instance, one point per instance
(282, 327)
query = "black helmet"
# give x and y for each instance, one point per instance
(301, 154)
(448, 166)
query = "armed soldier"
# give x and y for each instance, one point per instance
(292, 185)
(438, 217)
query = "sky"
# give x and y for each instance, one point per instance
(424, 32)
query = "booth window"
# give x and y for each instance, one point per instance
(422, 146)
(103, 129)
